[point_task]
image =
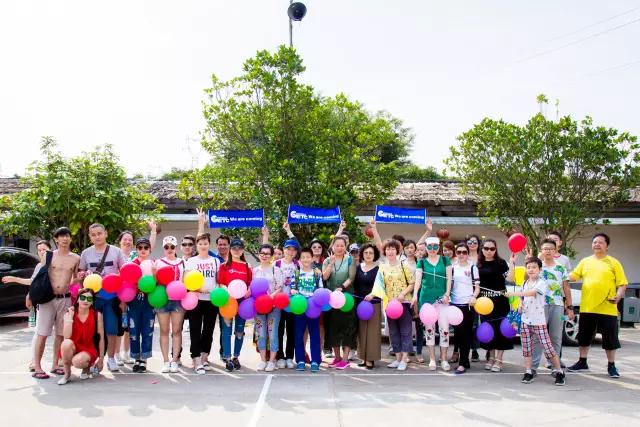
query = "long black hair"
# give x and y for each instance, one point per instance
(481, 253)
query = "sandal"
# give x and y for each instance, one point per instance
(489, 365)
(40, 375)
(497, 366)
(460, 370)
(57, 371)
(420, 359)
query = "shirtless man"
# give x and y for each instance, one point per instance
(64, 266)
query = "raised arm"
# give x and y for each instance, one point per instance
(202, 219)
(153, 233)
(265, 235)
(427, 232)
(287, 229)
(376, 236)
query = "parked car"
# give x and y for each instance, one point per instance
(19, 263)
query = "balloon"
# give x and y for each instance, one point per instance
(176, 290)
(507, 329)
(147, 268)
(219, 296)
(111, 283)
(93, 282)
(106, 295)
(428, 314)
(158, 298)
(281, 301)
(484, 333)
(517, 242)
(454, 315)
(364, 310)
(230, 309)
(483, 306)
(321, 296)
(127, 292)
(147, 284)
(394, 309)
(298, 304)
(337, 299)
(237, 289)
(348, 303)
(131, 272)
(313, 311)
(247, 309)
(518, 274)
(259, 286)
(193, 280)
(190, 301)
(326, 307)
(264, 303)
(165, 275)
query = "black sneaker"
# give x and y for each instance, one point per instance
(142, 368)
(560, 378)
(475, 356)
(136, 367)
(534, 373)
(527, 379)
(613, 371)
(578, 366)
(228, 364)
(236, 363)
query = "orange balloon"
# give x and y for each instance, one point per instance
(230, 309)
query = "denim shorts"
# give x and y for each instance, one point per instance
(171, 307)
(112, 318)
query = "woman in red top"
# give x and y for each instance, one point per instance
(83, 331)
(236, 268)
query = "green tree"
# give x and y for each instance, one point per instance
(410, 172)
(546, 174)
(276, 141)
(76, 192)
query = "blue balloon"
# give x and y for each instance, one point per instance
(106, 295)
(326, 307)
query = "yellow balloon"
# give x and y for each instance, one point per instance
(193, 280)
(483, 306)
(518, 274)
(93, 282)
(514, 302)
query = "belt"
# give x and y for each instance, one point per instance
(61, 296)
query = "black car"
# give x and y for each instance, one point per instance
(19, 263)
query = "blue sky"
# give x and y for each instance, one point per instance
(132, 73)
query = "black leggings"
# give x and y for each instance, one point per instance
(202, 321)
(464, 334)
(287, 322)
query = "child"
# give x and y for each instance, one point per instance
(141, 317)
(307, 280)
(533, 319)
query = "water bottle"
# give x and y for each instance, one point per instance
(32, 317)
(125, 319)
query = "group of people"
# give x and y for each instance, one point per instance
(89, 327)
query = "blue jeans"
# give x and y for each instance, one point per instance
(226, 325)
(302, 322)
(141, 321)
(267, 327)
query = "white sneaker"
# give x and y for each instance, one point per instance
(112, 365)
(166, 368)
(261, 366)
(127, 358)
(290, 364)
(402, 366)
(281, 364)
(445, 365)
(63, 380)
(85, 374)
(173, 367)
(119, 361)
(432, 365)
(352, 355)
(394, 364)
(270, 367)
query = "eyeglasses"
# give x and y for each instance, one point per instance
(87, 298)
(368, 253)
(472, 242)
(433, 247)
(265, 253)
(143, 248)
(462, 252)
(490, 249)
(167, 247)
(186, 244)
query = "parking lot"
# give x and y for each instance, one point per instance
(354, 397)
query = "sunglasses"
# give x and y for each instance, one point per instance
(167, 247)
(265, 253)
(462, 252)
(87, 298)
(490, 249)
(472, 242)
(141, 248)
(186, 244)
(433, 247)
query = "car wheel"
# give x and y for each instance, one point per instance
(570, 334)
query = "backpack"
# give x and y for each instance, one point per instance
(316, 276)
(41, 291)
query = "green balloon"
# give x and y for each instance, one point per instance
(219, 296)
(349, 302)
(147, 284)
(298, 304)
(158, 298)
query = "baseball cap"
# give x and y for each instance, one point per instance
(236, 243)
(291, 243)
(354, 247)
(432, 241)
(143, 241)
(169, 240)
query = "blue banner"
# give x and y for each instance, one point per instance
(397, 215)
(236, 218)
(307, 215)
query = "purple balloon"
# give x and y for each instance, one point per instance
(247, 309)
(313, 311)
(484, 333)
(365, 310)
(259, 286)
(321, 296)
(507, 329)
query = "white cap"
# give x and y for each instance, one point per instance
(169, 240)
(354, 247)
(432, 241)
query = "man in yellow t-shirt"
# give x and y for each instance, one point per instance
(603, 285)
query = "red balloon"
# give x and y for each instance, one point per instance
(264, 304)
(368, 231)
(131, 272)
(517, 242)
(111, 283)
(165, 275)
(281, 301)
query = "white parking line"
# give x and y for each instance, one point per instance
(263, 397)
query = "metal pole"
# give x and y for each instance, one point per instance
(290, 28)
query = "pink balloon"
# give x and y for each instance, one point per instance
(190, 301)
(147, 267)
(454, 315)
(127, 293)
(73, 290)
(394, 309)
(428, 314)
(176, 290)
(337, 300)
(237, 289)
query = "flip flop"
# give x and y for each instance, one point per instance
(40, 375)
(57, 371)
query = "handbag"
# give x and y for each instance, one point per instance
(41, 291)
